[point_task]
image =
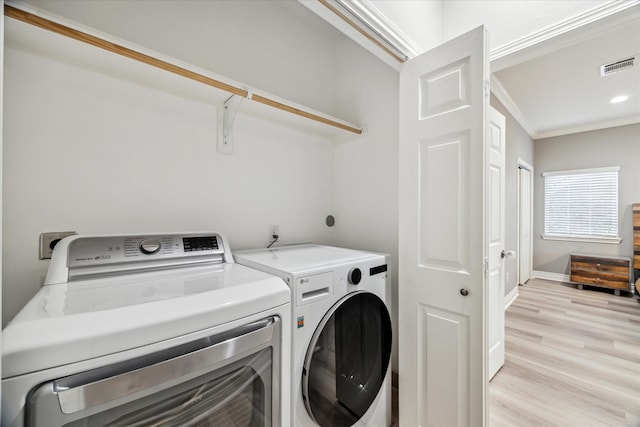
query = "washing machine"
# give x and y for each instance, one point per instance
(161, 329)
(341, 332)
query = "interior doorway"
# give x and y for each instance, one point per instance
(525, 220)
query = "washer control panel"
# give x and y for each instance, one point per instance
(102, 250)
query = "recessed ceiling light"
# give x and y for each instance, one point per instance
(620, 98)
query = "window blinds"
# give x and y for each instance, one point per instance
(581, 203)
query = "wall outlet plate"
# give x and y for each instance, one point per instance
(49, 240)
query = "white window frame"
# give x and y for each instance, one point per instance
(582, 237)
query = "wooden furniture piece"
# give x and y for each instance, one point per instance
(612, 272)
(636, 237)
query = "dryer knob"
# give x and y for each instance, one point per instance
(355, 275)
(150, 246)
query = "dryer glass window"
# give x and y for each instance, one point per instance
(229, 379)
(347, 360)
(236, 398)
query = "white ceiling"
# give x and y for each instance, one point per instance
(561, 91)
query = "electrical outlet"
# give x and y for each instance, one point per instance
(49, 240)
(274, 230)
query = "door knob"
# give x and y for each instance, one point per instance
(464, 292)
(508, 254)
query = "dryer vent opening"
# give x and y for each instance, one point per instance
(614, 67)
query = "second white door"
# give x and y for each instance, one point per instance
(495, 228)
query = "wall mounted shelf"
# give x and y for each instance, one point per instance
(146, 67)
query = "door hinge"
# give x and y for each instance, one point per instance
(487, 88)
(486, 266)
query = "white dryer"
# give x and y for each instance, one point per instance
(341, 332)
(160, 329)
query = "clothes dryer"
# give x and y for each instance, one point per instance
(160, 329)
(341, 332)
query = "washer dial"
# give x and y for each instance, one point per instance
(150, 246)
(355, 276)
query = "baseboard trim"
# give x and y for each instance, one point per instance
(511, 297)
(546, 275)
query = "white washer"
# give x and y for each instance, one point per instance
(341, 336)
(133, 329)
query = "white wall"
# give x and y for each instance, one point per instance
(619, 146)
(96, 154)
(81, 143)
(366, 169)
(508, 20)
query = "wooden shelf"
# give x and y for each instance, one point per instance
(106, 54)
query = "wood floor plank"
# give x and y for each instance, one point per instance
(572, 358)
(576, 404)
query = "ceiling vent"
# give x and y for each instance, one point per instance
(614, 67)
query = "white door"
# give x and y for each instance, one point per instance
(442, 347)
(496, 238)
(524, 220)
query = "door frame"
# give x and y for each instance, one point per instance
(524, 165)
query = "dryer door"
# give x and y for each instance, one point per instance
(347, 360)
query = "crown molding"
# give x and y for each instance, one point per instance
(333, 19)
(588, 127)
(503, 96)
(564, 33)
(555, 37)
(380, 23)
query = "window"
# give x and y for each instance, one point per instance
(581, 204)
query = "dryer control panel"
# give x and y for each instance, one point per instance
(109, 250)
(92, 256)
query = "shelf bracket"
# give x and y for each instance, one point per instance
(225, 129)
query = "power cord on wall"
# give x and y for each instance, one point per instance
(275, 239)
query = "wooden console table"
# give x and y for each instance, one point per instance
(613, 272)
(636, 237)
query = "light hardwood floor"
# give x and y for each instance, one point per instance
(572, 359)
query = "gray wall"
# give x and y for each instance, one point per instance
(619, 146)
(519, 146)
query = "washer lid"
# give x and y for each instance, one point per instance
(301, 258)
(71, 322)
